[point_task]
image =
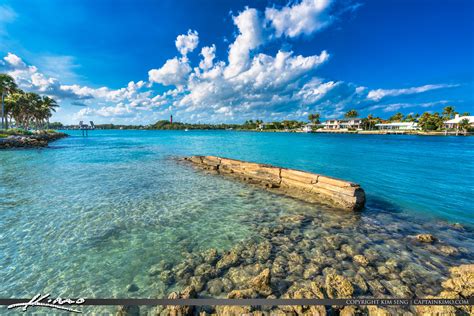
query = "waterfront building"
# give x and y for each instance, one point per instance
(454, 123)
(347, 123)
(405, 126)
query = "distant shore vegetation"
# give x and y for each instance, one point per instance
(29, 110)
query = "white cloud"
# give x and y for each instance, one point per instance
(249, 85)
(250, 37)
(186, 43)
(378, 94)
(306, 18)
(173, 72)
(208, 53)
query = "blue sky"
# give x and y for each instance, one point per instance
(227, 61)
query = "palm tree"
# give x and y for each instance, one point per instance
(464, 125)
(351, 114)
(314, 118)
(448, 112)
(7, 86)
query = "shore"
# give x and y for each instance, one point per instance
(28, 140)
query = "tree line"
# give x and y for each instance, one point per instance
(26, 109)
(427, 121)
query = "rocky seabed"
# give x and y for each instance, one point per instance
(298, 257)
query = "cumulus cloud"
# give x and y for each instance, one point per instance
(378, 94)
(250, 37)
(174, 72)
(186, 43)
(245, 84)
(208, 53)
(305, 18)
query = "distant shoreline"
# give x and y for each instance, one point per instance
(362, 132)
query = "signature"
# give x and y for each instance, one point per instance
(45, 301)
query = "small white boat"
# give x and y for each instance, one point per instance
(186, 130)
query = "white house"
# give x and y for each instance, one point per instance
(405, 126)
(454, 123)
(355, 123)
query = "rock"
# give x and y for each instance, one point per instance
(377, 311)
(376, 287)
(348, 249)
(361, 284)
(228, 285)
(360, 259)
(206, 271)
(128, 310)
(441, 310)
(263, 251)
(428, 238)
(239, 294)
(158, 268)
(338, 286)
(210, 256)
(233, 310)
(133, 288)
(187, 293)
(397, 288)
(197, 282)
(461, 280)
(348, 311)
(228, 260)
(302, 185)
(261, 283)
(295, 258)
(448, 250)
(310, 271)
(215, 287)
(293, 219)
(167, 277)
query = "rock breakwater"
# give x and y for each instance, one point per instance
(30, 141)
(310, 187)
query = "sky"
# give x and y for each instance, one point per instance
(136, 62)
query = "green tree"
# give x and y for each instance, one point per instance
(314, 118)
(466, 114)
(464, 125)
(396, 117)
(430, 122)
(7, 86)
(448, 112)
(351, 114)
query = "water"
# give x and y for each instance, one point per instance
(89, 216)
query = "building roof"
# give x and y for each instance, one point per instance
(397, 124)
(458, 119)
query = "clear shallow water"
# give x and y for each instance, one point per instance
(89, 216)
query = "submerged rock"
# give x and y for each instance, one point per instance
(338, 286)
(133, 288)
(228, 260)
(360, 259)
(128, 310)
(187, 293)
(210, 256)
(261, 283)
(461, 281)
(428, 238)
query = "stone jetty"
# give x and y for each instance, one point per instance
(306, 186)
(30, 141)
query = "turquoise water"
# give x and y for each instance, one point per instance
(89, 215)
